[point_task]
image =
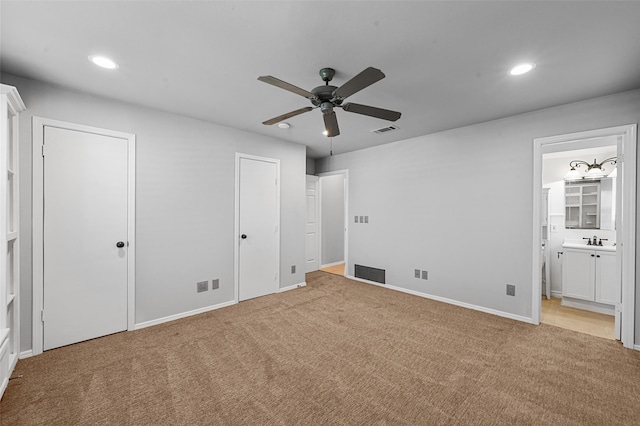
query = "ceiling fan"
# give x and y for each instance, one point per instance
(328, 97)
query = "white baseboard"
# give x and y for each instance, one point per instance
(25, 354)
(328, 265)
(588, 306)
(183, 315)
(637, 347)
(449, 301)
(292, 287)
(556, 294)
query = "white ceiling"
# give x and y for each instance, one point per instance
(446, 63)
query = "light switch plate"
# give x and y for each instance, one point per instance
(366, 219)
(416, 273)
(356, 219)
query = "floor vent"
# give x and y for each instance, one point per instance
(385, 129)
(370, 274)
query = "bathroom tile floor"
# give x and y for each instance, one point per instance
(595, 324)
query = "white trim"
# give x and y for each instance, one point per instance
(446, 300)
(236, 226)
(184, 314)
(37, 224)
(292, 287)
(25, 354)
(556, 294)
(625, 232)
(344, 172)
(328, 265)
(636, 347)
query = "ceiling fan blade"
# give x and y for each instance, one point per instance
(286, 86)
(331, 124)
(287, 115)
(365, 79)
(385, 114)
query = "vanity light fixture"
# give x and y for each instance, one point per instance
(522, 68)
(103, 62)
(594, 170)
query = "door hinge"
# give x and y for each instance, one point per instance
(42, 315)
(43, 150)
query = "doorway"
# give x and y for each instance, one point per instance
(257, 247)
(333, 206)
(83, 233)
(624, 137)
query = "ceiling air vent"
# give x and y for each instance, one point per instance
(385, 129)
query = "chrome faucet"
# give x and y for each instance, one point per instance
(588, 242)
(595, 240)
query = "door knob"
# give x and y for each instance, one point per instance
(243, 236)
(119, 244)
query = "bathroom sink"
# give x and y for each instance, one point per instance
(582, 244)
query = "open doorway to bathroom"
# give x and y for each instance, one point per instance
(580, 210)
(332, 188)
(591, 282)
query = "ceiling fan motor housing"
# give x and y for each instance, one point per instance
(324, 94)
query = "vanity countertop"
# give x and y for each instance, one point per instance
(582, 244)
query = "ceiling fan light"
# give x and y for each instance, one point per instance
(284, 125)
(325, 132)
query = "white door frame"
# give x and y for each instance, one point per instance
(317, 212)
(236, 238)
(625, 231)
(38, 219)
(344, 172)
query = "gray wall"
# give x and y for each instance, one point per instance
(184, 198)
(459, 203)
(332, 219)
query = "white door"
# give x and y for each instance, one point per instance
(85, 223)
(312, 242)
(258, 219)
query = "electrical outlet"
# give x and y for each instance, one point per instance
(416, 273)
(356, 219)
(361, 219)
(366, 219)
(215, 284)
(511, 290)
(425, 275)
(202, 286)
(293, 269)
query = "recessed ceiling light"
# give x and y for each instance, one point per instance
(103, 62)
(284, 125)
(522, 69)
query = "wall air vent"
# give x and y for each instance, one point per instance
(370, 274)
(385, 129)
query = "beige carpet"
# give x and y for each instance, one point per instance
(336, 352)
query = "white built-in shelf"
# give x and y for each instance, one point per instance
(12, 236)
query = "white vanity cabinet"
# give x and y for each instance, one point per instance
(590, 274)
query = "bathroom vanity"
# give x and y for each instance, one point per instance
(589, 277)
